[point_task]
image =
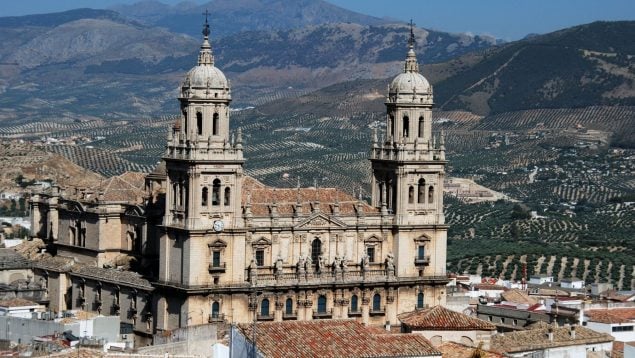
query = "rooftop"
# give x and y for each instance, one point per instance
(336, 338)
(521, 341)
(10, 259)
(262, 197)
(518, 296)
(611, 315)
(17, 302)
(441, 318)
(457, 350)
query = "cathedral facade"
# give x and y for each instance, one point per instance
(201, 242)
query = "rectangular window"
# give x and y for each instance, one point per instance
(216, 259)
(622, 329)
(370, 251)
(421, 252)
(260, 257)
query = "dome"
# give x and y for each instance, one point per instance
(205, 76)
(409, 82)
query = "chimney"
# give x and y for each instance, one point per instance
(572, 332)
(388, 326)
(550, 334)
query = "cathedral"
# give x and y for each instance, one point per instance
(197, 241)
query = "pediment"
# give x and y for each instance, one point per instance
(320, 221)
(134, 211)
(218, 244)
(74, 206)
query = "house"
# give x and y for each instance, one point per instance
(618, 322)
(540, 279)
(572, 283)
(457, 350)
(326, 338)
(550, 341)
(19, 307)
(439, 325)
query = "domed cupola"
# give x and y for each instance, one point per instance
(205, 80)
(410, 86)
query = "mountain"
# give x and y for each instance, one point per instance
(110, 67)
(234, 16)
(581, 66)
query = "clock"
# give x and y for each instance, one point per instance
(219, 225)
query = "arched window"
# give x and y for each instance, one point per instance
(199, 123)
(264, 308)
(411, 195)
(392, 125)
(216, 192)
(377, 302)
(421, 127)
(227, 196)
(321, 304)
(215, 310)
(175, 194)
(431, 195)
(421, 191)
(204, 197)
(288, 306)
(316, 250)
(215, 124)
(354, 304)
(420, 300)
(406, 126)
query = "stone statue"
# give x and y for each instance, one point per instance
(344, 264)
(390, 264)
(301, 263)
(337, 264)
(252, 271)
(308, 264)
(319, 264)
(365, 263)
(279, 264)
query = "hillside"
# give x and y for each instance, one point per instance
(104, 66)
(580, 66)
(242, 15)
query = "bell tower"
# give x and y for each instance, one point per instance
(204, 162)
(409, 163)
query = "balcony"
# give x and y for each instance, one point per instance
(265, 317)
(219, 267)
(216, 317)
(422, 260)
(323, 314)
(377, 312)
(289, 315)
(355, 313)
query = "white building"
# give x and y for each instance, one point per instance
(554, 342)
(618, 322)
(19, 307)
(575, 283)
(540, 279)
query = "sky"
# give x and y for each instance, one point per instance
(504, 19)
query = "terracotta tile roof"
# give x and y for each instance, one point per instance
(334, 338)
(489, 286)
(17, 302)
(121, 189)
(611, 315)
(441, 318)
(11, 259)
(457, 350)
(112, 275)
(57, 263)
(518, 296)
(521, 341)
(262, 197)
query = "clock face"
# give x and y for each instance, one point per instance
(218, 225)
